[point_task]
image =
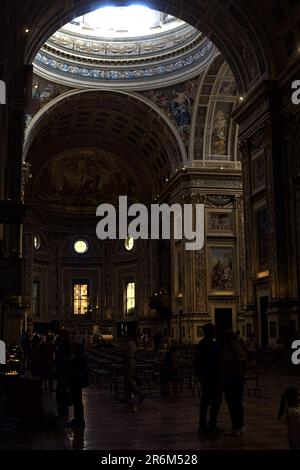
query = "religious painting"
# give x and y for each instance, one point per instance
(177, 103)
(85, 177)
(258, 173)
(43, 92)
(220, 222)
(220, 128)
(222, 275)
(228, 88)
(261, 224)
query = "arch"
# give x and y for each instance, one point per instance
(38, 118)
(217, 59)
(229, 102)
(231, 27)
(122, 126)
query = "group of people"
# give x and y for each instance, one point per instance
(220, 370)
(220, 367)
(60, 359)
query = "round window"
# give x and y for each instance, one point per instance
(37, 242)
(129, 243)
(81, 247)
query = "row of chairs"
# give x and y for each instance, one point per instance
(183, 383)
(150, 378)
(109, 374)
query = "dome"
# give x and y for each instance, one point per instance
(132, 47)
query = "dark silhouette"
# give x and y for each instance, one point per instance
(289, 406)
(26, 346)
(130, 371)
(234, 360)
(78, 379)
(47, 350)
(168, 373)
(241, 340)
(207, 368)
(34, 355)
(62, 365)
(157, 340)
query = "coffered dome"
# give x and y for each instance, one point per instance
(131, 47)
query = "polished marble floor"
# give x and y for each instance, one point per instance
(159, 424)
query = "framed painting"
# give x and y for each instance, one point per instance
(222, 275)
(262, 248)
(219, 223)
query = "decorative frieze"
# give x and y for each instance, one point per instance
(219, 200)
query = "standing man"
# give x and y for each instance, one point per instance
(78, 379)
(207, 366)
(62, 368)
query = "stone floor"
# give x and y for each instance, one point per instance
(159, 424)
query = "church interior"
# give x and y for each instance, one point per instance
(165, 102)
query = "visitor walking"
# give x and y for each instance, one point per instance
(130, 371)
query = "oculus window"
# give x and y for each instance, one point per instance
(129, 244)
(37, 242)
(128, 21)
(81, 247)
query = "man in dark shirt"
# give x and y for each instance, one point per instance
(207, 367)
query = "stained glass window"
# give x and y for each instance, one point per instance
(130, 297)
(80, 299)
